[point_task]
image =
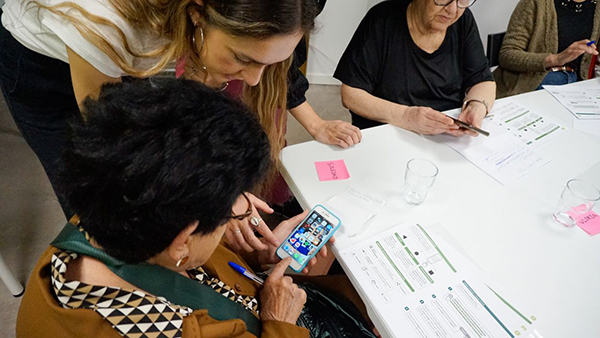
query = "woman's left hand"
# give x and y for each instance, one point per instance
(240, 234)
(472, 114)
(336, 132)
(281, 232)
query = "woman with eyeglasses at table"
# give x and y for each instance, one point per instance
(548, 42)
(410, 60)
(54, 53)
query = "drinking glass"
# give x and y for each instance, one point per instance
(418, 179)
(577, 198)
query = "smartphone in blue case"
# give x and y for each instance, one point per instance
(309, 237)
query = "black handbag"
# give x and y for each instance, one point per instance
(328, 316)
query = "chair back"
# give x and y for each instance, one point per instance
(494, 43)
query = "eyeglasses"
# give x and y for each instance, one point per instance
(459, 3)
(245, 214)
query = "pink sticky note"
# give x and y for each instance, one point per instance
(332, 170)
(589, 222)
(580, 208)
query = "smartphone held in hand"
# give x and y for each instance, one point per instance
(469, 126)
(308, 237)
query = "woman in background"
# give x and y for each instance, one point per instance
(548, 42)
(409, 61)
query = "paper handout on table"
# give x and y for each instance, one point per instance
(528, 126)
(503, 156)
(584, 103)
(355, 209)
(588, 126)
(420, 286)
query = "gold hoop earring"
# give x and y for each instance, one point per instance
(201, 41)
(182, 260)
(196, 50)
(201, 38)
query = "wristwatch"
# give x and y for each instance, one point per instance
(485, 104)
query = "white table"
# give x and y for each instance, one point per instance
(506, 230)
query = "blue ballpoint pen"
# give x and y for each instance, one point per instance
(246, 273)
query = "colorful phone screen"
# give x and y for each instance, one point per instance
(306, 239)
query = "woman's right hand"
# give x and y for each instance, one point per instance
(425, 120)
(281, 299)
(571, 53)
(337, 132)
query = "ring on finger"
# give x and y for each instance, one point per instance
(255, 221)
(238, 231)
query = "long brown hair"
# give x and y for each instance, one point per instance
(269, 100)
(261, 19)
(169, 20)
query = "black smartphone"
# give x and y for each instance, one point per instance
(471, 127)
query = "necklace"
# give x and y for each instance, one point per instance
(195, 70)
(576, 6)
(224, 86)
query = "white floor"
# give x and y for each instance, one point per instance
(30, 216)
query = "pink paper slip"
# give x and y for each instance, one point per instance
(332, 170)
(589, 222)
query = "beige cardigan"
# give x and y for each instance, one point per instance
(531, 36)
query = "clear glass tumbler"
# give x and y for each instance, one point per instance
(420, 176)
(577, 198)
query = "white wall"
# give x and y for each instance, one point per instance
(335, 27)
(492, 16)
(341, 17)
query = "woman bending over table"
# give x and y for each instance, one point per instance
(54, 53)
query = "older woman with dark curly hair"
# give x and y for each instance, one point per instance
(153, 174)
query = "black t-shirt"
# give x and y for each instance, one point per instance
(383, 60)
(574, 24)
(298, 84)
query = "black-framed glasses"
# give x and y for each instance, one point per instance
(459, 3)
(245, 214)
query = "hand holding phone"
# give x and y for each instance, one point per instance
(308, 237)
(469, 126)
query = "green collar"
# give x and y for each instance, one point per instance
(161, 281)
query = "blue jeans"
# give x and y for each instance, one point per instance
(558, 78)
(39, 94)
